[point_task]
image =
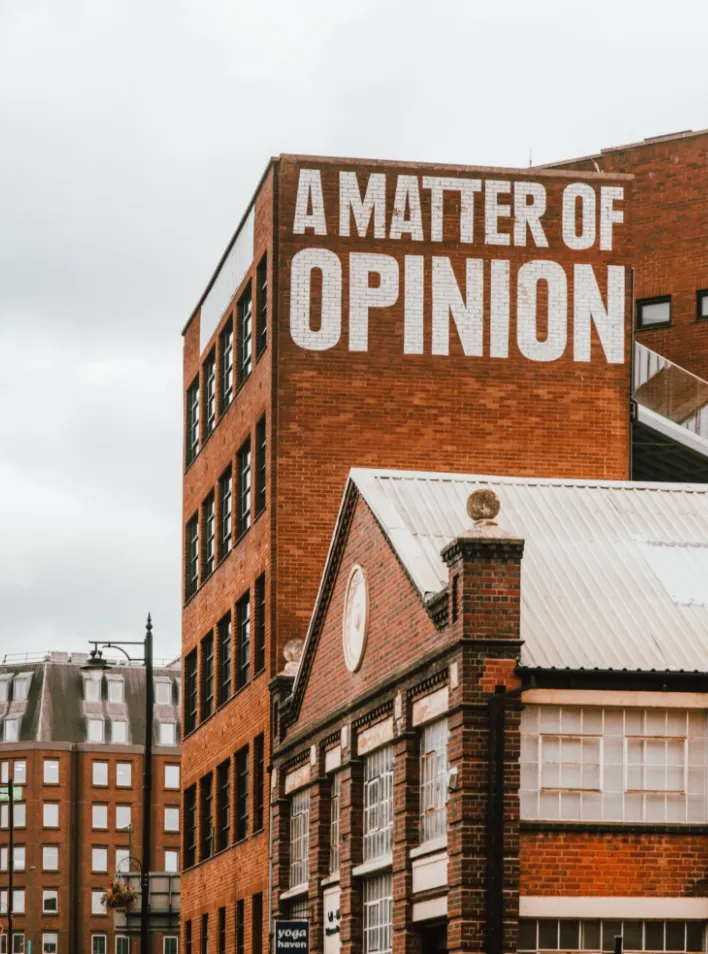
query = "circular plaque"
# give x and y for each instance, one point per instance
(355, 621)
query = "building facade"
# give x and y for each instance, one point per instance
(497, 734)
(367, 314)
(73, 741)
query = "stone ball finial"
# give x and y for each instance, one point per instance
(483, 504)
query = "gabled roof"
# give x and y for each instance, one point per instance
(614, 574)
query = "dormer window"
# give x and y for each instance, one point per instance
(5, 690)
(21, 690)
(163, 693)
(116, 690)
(119, 731)
(92, 690)
(11, 730)
(95, 730)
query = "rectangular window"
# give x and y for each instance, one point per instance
(188, 937)
(168, 733)
(258, 781)
(257, 924)
(123, 817)
(702, 304)
(18, 901)
(226, 349)
(243, 653)
(100, 773)
(172, 776)
(119, 731)
(50, 771)
(190, 693)
(261, 465)
(262, 320)
(378, 803)
(122, 859)
(225, 504)
(240, 927)
(224, 633)
(204, 935)
(171, 818)
(50, 815)
(95, 730)
(99, 816)
(20, 772)
(206, 816)
(241, 764)
(210, 394)
(4, 689)
(245, 344)
(223, 809)
(192, 421)
(162, 692)
(124, 774)
(20, 815)
(122, 944)
(207, 676)
(116, 691)
(222, 931)
(190, 826)
(98, 944)
(378, 915)
(259, 648)
(433, 781)
(192, 557)
(170, 945)
(171, 861)
(21, 688)
(299, 910)
(11, 730)
(96, 903)
(208, 536)
(299, 837)
(617, 765)
(99, 859)
(654, 312)
(551, 934)
(334, 809)
(244, 488)
(50, 901)
(49, 944)
(50, 858)
(18, 856)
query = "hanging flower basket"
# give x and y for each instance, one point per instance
(118, 896)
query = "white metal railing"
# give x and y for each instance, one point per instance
(670, 390)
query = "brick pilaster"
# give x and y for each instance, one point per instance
(319, 850)
(406, 812)
(351, 852)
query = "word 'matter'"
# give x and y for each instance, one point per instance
(588, 220)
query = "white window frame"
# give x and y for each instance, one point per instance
(172, 768)
(434, 774)
(122, 863)
(113, 685)
(97, 906)
(120, 810)
(50, 942)
(299, 837)
(335, 801)
(170, 809)
(19, 770)
(163, 692)
(45, 771)
(378, 914)
(21, 687)
(119, 732)
(175, 946)
(47, 895)
(92, 735)
(103, 768)
(165, 737)
(46, 848)
(50, 808)
(11, 729)
(175, 868)
(122, 937)
(99, 808)
(104, 948)
(92, 689)
(123, 766)
(99, 864)
(378, 803)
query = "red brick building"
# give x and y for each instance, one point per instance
(367, 314)
(73, 741)
(497, 735)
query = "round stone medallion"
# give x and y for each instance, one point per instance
(355, 621)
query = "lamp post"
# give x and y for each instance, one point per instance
(30, 910)
(96, 663)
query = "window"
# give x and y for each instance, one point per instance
(619, 765)
(18, 943)
(92, 689)
(123, 817)
(96, 902)
(170, 945)
(258, 781)
(225, 493)
(243, 461)
(378, 803)
(50, 858)
(221, 948)
(190, 696)
(192, 557)
(209, 536)
(122, 944)
(21, 690)
(240, 926)
(241, 763)
(299, 910)
(100, 773)
(20, 772)
(18, 901)
(168, 733)
(171, 819)
(652, 312)
(11, 729)
(243, 623)
(4, 688)
(188, 937)
(98, 944)
(226, 348)
(171, 861)
(124, 774)
(378, 915)
(20, 815)
(49, 944)
(50, 901)
(433, 781)
(172, 776)
(223, 808)
(210, 394)
(163, 693)
(262, 320)
(245, 345)
(18, 858)
(334, 810)
(257, 924)
(702, 304)
(299, 837)
(99, 859)
(95, 730)
(116, 691)
(259, 648)
(122, 859)
(99, 816)
(206, 816)
(190, 826)
(50, 771)
(50, 815)
(192, 421)
(261, 465)
(207, 647)
(204, 935)
(119, 731)
(224, 632)
(574, 935)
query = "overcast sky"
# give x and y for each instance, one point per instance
(132, 135)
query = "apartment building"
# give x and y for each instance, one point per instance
(367, 314)
(73, 741)
(496, 738)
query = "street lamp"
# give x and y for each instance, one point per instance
(96, 663)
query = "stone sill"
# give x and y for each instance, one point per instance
(370, 867)
(296, 892)
(330, 879)
(429, 847)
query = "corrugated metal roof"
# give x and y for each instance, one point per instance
(614, 574)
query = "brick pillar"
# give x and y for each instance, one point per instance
(485, 574)
(351, 822)
(319, 850)
(406, 812)
(280, 815)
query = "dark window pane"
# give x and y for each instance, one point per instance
(210, 394)
(675, 935)
(190, 692)
(226, 347)
(591, 936)
(225, 507)
(243, 622)
(224, 805)
(206, 821)
(570, 935)
(261, 465)
(192, 427)
(694, 936)
(260, 625)
(548, 935)
(257, 924)
(262, 283)
(224, 630)
(654, 936)
(245, 344)
(258, 781)
(610, 930)
(240, 927)
(207, 675)
(192, 557)
(527, 935)
(244, 488)
(222, 931)
(632, 935)
(242, 794)
(205, 934)
(190, 827)
(209, 535)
